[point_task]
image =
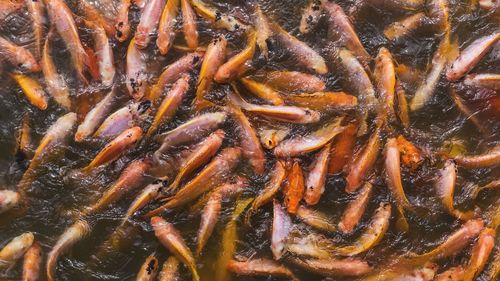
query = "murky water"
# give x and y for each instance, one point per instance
(56, 195)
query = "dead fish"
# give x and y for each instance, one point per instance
(150, 17)
(95, 16)
(342, 31)
(124, 118)
(114, 149)
(104, 54)
(402, 106)
(18, 56)
(299, 145)
(484, 80)
(214, 57)
(270, 138)
(373, 234)
(230, 69)
(405, 26)
(355, 209)
(54, 141)
(8, 200)
(311, 15)
(294, 188)
(190, 131)
(471, 56)
(253, 151)
(385, 81)
(289, 81)
(488, 159)
(304, 54)
(56, 85)
(171, 239)
(285, 113)
(32, 262)
(323, 101)
(342, 148)
(166, 28)
(480, 254)
(363, 162)
(32, 90)
(72, 235)
(439, 14)
(37, 13)
(214, 173)
(410, 154)
(218, 19)
(282, 224)
(122, 25)
(423, 272)
(15, 249)
(264, 33)
(174, 72)
(96, 116)
(453, 274)
(333, 267)
(189, 26)
(170, 104)
(170, 270)
(262, 91)
(136, 70)
(132, 177)
(148, 270)
(316, 177)
(261, 267)
(316, 219)
(393, 174)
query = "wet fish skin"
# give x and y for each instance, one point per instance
(402, 105)
(148, 270)
(122, 25)
(262, 91)
(171, 239)
(311, 15)
(23, 139)
(150, 17)
(288, 81)
(170, 270)
(453, 274)
(124, 118)
(104, 53)
(419, 272)
(363, 162)
(410, 154)
(281, 227)
(18, 56)
(166, 28)
(218, 19)
(231, 69)
(32, 90)
(323, 101)
(96, 116)
(264, 33)
(316, 177)
(480, 254)
(316, 219)
(271, 188)
(94, 15)
(189, 26)
(261, 267)
(136, 70)
(36, 9)
(342, 148)
(488, 159)
(8, 200)
(270, 138)
(32, 262)
(393, 174)
(385, 81)
(439, 14)
(294, 188)
(355, 209)
(15, 249)
(405, 26)
(148, 194)
(483, 80)
(333, 267)
(8, 7)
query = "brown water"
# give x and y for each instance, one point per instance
(54, 195)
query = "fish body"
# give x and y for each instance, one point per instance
(170, 270)
(230, 69)
(166, 28)
(262, 91)
(316, 178)
(480, 254)
(405, 26)
(8, 200)
(37, 13)
(355, 209)
(15, 249)
(363, 162)
(294, 189)
(483, 80)
(148, 270)
(32, 89)
(342, 148)
(96, 116)
(122, 119)
(264, 31)
(32, 263)
(148, 22)
(271, 188)
(282, 224)
(261, 267)
(311, 15)
(136, 70)
(189, 25)
(122, 25)
(385, 81)
(393, 174)
(18, 56)
(316, 219)
(323, 101)
(289, 81)
(488, 159)
(333, 267)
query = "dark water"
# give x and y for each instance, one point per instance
(54, 196)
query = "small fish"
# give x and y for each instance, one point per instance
(316, 177)
(189, 25)
(262, 91)
(405, 26)
(323, 101)
(170, 270)
(148, 270)
(148, 194)
(122, 25)
(363, 162)
(170, 104)
(18, 56)
(8, 200)
(96, 116)
(150, 17)
(342, 148)
(420, 272)
(471, 116)
(453, 274)
(488, 159)
(15, 249)
(171, 239)
(213, 59)
(410, 154)
(72, 235)
(166, 28)
(309, 245)
(471, 56)
(261, 267)
(355, 209)
(385, 81)
(294, 188)
(480, 254)
(136, 70)
(230, 69)
(270, 138)
(282, 224)
(32, 90)
(94, 15)
(270, 190)
(393, 174)
(32, 262)
(483, 80)
(104, 54)
(290, 81)
(439, 14)
(124, 118)
(218, 19)
(300, 144)
(488, 5)
(316, 219)
(402, 106)
(333, 268)
(36, 10)
(264, 33)
(304, 54)
(23, 139)
(311, 15)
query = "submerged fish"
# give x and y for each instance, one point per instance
(488, 159)
(96, 116)
(294, 188)
(126, 117)
(311, 15)
(170, 270)
(189, 25)
(8, 200)
(355, 209)
(316, 177)
(282, 224)
(166, 28)
(363, 162)
(32, 89)
(480, 254)
(148, 270)
(18, 56)
(32, 262)
(232, 68)
(15, 249)
(148, 23)
(261, 267)
(483, 80)
(290, 81)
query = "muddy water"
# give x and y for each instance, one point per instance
(57, 194)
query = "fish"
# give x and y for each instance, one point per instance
(421, 272)
(124, 118)
(402, 105)
(262, 91)
(213, 59)
(170, 270)
(52, 143)
(8, 7)
(122, 24)
(231, 69)
(323, 101)
(104, 54)
(410, 154)
(72, 235)
(316, 177)
(305, 55)
(148, 23)
(15, 249)
(166, 28)
(309, 245)
(32, 89)
(189, 25)
(316, 219)
(495, 184)
(362, 163)
(190, 131)
(342, 148)
(294, 188)
(218, 19)
(18, 56)
(148, 270)
(94, 15)
(114, 149)
(215, 172)
(290, 81)
(393, 174)
(136, 71)
(385, 81)
(270, 138)
(311, 15)
(264, 33)
(470, 56)
(489, 159)
(9, 200)
(32, 262)
(36, 10)
(301, 144)
(480, 254)
(333, 268)
(171, 239)
(174, 72)
(261, 267)
(483, 80)
(355, 209)
(148, 194)
(488, 5)
(253, 151)
(281, 227)
(452, 274)
(284, 113)
(445, 187)
(56, 85)
(405, 26)
(167, 109)
(439, 14)
(23, 139)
